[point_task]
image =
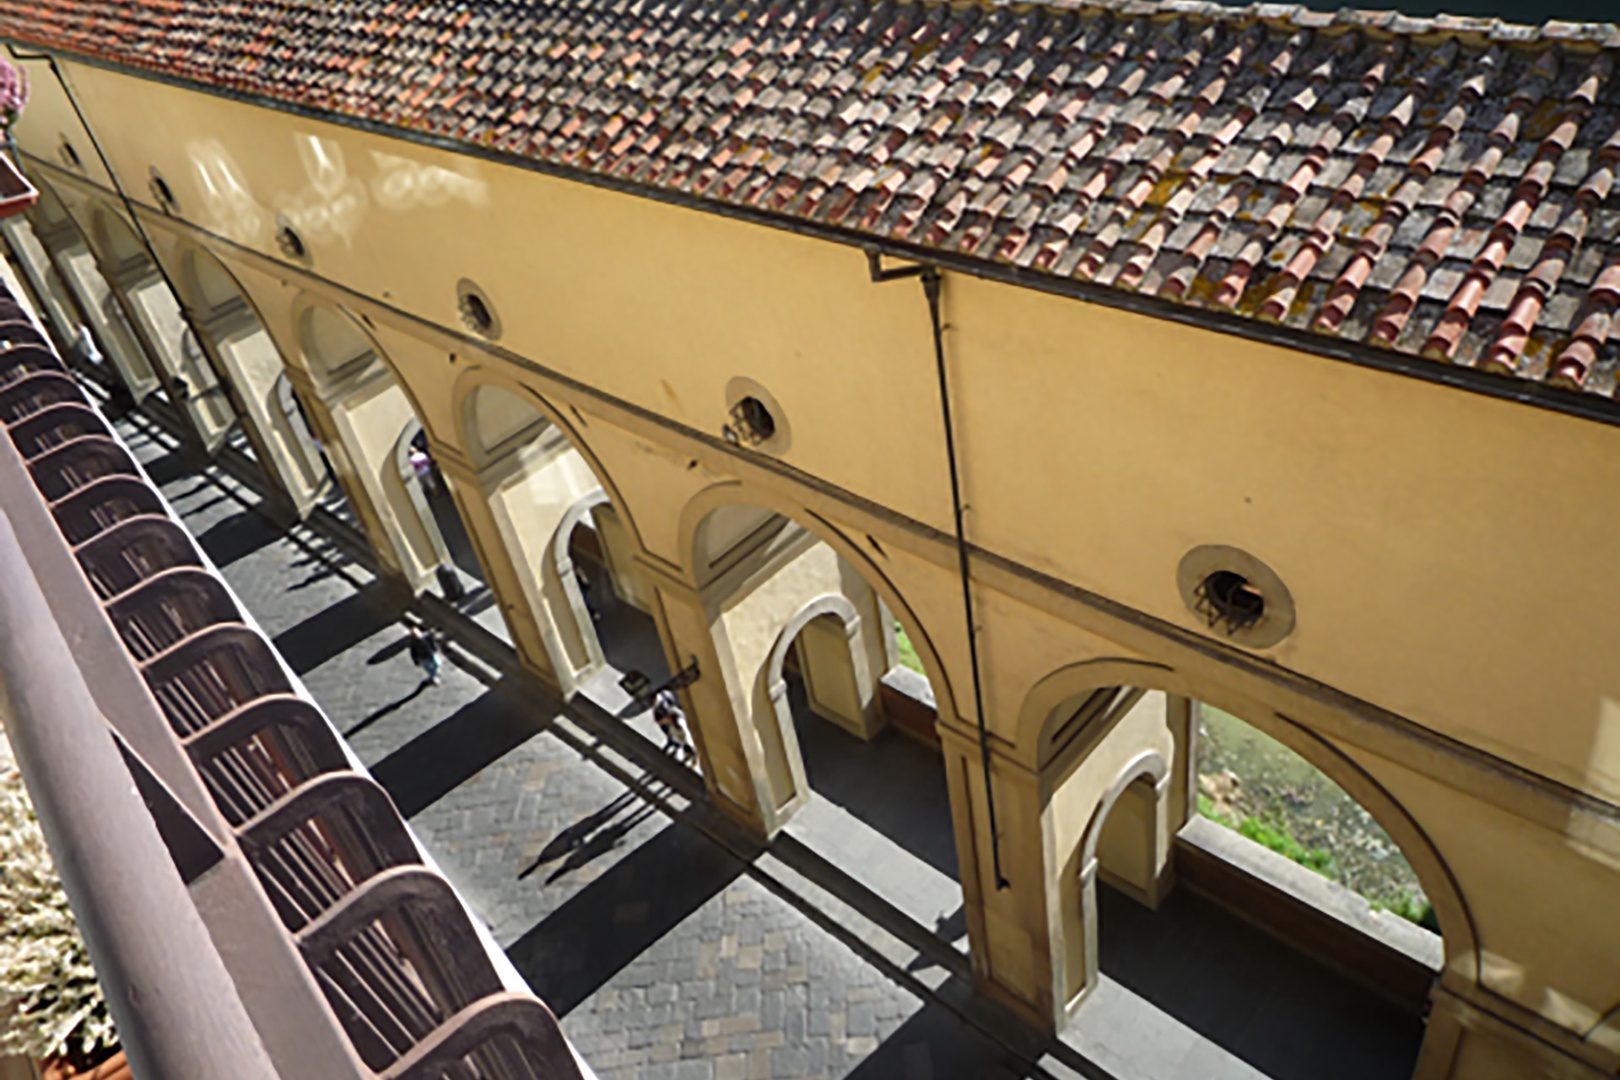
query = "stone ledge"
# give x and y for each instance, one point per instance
(1394, 957)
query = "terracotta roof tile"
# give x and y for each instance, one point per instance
(1439, 186)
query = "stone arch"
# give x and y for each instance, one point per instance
(1057, 752)
(464, 408)
(333, 344)
(115, 238)
(773, 685)
(95, 301)
(738, 493)
(49, 211)
(362, 408)
(1150, 766)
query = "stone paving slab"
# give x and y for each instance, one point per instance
(664, 955)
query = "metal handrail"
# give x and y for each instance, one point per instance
(173, 1001)
(301, 835)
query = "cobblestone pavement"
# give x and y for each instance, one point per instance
(666, 956)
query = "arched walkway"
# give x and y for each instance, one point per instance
(1116, 742)
(95, 306)
(840, 755)
(236, 341)
(155, 313)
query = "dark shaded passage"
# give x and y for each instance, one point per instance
(1281, 1012)
(237, 537)
(568, 955)
(936, 1045)
(338, 628)
(447, 755)
(893, 783)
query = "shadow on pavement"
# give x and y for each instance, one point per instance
(392, 707)
(237, 537)
(895, 785)
(1281, 1012)
(336, 629)
(571, 953)
(593, 835)
(935, 1045)
(444, 757)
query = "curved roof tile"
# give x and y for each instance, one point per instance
(1438, 187)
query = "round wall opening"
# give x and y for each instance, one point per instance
(754, 418)
(290, 243)
(1236, 595)
(161, 192)
(1230, 598)
(752, 421)
(476, 309)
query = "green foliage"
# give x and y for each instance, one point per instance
(907, 651)
(48, 990)
(1283, 843)
(1414, 910)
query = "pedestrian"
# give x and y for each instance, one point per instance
(425, 654)
(422, 465)
(585, 581)
(667, 715)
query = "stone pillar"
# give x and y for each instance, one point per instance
(76, 265)
(730, 751)
(512, 545)
(353, 474)
(1011, 928)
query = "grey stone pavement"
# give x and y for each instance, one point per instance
(670, 947)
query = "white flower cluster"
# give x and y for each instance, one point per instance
(49, 998)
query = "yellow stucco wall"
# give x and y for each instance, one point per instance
(1450, 555)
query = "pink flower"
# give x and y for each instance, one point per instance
(13, 93)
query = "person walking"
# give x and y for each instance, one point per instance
(426, 654)
(667, 715)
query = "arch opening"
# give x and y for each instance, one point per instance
(843, 751)
(565, 542)
(99, 336)
(1208, 863)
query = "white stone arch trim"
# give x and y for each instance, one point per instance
(1151, 765)
(341, 377)
(475, 377)
(560, 564)
(1043, 713)
(830, 604)
(738, 492)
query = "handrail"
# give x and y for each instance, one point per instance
(301, 830)
(173, 1001)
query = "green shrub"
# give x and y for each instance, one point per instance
(1284, 844)
(907, 651)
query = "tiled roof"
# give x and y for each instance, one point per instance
(1439, 187)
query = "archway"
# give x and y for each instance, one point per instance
(156, 316)
(553, 532)
(233, 338)
(1153, 898)
(839, 742)
(364, 420)
(47, 291)
(101, 331)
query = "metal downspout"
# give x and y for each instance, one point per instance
(931, 288)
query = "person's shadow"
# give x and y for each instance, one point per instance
(393, 706)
